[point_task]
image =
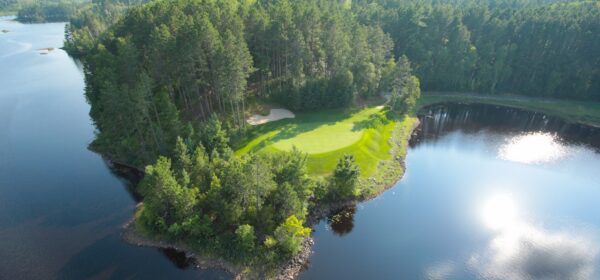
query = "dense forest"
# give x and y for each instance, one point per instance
(169, 83)
(248, 210)
(542, 48)
(169, 64)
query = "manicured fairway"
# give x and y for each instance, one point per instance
(325, 136)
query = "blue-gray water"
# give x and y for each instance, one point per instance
(61, 206)
(489, 193)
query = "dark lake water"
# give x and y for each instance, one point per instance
(61, 206)
(489, 193)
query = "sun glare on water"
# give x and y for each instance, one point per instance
(535, 147)
(499, 212)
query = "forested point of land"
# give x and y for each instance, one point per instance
(170, 84)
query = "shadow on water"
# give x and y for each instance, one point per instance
(128, 176)
(441, 119)
(342, 222)
(92, 262)
(178, 258)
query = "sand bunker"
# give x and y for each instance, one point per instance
(274, 115)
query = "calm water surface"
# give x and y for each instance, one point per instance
(61, 206)
(489, 193)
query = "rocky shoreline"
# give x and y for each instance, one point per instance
(289, 271)
(292, 268)
(131, 235)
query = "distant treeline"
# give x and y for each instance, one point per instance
(542, 48)
(41, 11)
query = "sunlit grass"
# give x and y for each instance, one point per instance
(327, 135)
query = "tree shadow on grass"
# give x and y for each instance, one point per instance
(306, 122)
(374, 120)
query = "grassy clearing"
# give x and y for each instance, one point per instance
(325, 136)
(572, 111)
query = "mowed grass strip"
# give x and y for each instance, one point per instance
(325, 136)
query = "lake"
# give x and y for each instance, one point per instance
(489, 192)
(61, 206)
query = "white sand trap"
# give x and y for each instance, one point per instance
(274, 115)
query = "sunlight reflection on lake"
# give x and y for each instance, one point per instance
(463, 211)
(499, 211)
(521, 250)
(534, 147)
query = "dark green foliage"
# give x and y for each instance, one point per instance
(246, 209)
(315, 54)
(543, 48)
(246, 240)
(344, 181)
(213, 137)
(46, 12)
(163, 65)
(158, 71)
(35, 11)
(403, 87)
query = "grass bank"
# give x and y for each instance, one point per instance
(585, 112)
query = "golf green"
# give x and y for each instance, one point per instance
(327, 135)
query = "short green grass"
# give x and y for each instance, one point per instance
(327, 135)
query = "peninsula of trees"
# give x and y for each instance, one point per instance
(170, 83)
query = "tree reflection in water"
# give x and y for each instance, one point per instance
(342, 222)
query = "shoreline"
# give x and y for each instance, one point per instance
(290, 270)
(293, 268)
(390, 172)
(131, 235)
(572, 111)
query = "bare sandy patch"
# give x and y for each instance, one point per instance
(274, 115)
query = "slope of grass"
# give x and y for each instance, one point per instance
(572, 111)
(325, 136)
